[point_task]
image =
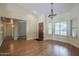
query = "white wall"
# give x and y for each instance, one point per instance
(32, 27)
(71, 15)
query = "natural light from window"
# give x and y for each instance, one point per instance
(61, 28)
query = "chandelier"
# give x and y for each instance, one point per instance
(51, 15)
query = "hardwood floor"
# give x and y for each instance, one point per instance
(37, 48)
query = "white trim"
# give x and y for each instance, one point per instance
(64, 41)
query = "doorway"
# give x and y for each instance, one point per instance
(21, 29)
(40, 31)
(8, 29)
(13, 29)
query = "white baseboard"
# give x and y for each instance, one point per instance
(31, 38)
(64, 41)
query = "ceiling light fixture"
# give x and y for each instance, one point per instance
(52, 13)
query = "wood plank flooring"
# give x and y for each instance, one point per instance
(37, 48)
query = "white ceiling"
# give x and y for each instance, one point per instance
(44, 8)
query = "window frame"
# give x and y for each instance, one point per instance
(60, 30)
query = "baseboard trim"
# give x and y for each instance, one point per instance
(75, 45)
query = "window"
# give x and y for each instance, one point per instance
(61, 28)
(74, 27)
